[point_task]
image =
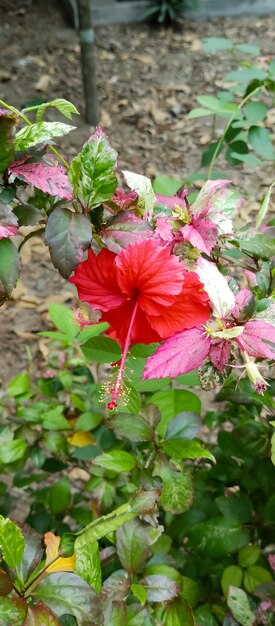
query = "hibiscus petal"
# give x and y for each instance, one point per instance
(178, 355)
(257, 339)
(191, 308)
(150, 270)
(220, 353)
(215, 284)
(96, 281)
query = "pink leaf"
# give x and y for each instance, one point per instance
(172, 202)
(179, 354)
(203, 202)
(220, 353)
(121, 201)
(202, 234)
(257, 339)
(244, 305)
(123, 230)
(8, 221)
(164, 229)
(49, 178)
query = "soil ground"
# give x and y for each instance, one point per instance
(148, 79)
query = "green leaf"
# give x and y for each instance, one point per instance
(139, 592)
(65, 107)
(8, 122)
(88, 421)
(248, 48)
(92, 172)
(54, 419)
(172, 402)
(40, 133)
(239, 605)
(60, 496)
(27, 214)
(217, 537)
(177, 493)
(12, 611)
(254, 576)
(214, 44)
(190, 591)
(64, 592)
(218, 107)
(88, 564)
(255, 112)
(64, 319)
(184, 426)
(104, 525)
(159, 588)
(199, 112)
(231, 576)
(92, 331)
(273, 448)
(132, 427)
(20, 384)
(245, 75)
(179, 613)
(248, 555)
(116, 461)
(9, 267)
(13, 451)
(101, 350)
(40, 615)
(204, 616)
(261, 246)
(12, 542)
(259, 139)
(164, 570)
(33, 552)
(235, 506)
(68, 235)
(179, 449)
(166, 186)
(133, 544)
(264, 206)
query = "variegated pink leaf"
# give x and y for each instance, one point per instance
(202, 234)
(179, 354)
(215, 284)
(122, 201)
(204, 200)
(8, 221)
(123, 230)
(220, 353)
(173, 202)
(244, 305)
(258, 339)
(164, 229)
(50, 179)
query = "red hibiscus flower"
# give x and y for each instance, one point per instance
(143, 292)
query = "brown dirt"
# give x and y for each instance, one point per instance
(147, 79)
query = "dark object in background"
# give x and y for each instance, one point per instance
(86, 38)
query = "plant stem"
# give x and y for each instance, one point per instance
(29, 123)
(40, 575)
(217, 149)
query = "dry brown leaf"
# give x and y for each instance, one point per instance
(270, 118)
(79, 474)
(60, 298)
(157, 114)
(4, 75)
(195, 45)
(43, 83)
(146, 59)
(105, 119)
(104, 55)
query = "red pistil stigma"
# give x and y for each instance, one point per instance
(111, 405)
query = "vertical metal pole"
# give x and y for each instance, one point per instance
(86, 37)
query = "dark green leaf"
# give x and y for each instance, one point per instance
(9, 267)
(133, 545)
(64, 592)
(88, 564)
(217, 537)
(88, 421)
(132, 427)
(179, 613)
(60, 496)
(27, 214)
(101, 350)
(159, 588)
(261, 246)
(235, 506)
(92, 171)
(32, 552)
(172, 402)
(68, 235)
(8, 123)
(184, 426)
(179, 449)
(248, 555)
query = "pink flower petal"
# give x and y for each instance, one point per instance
(182, 353)
(257, 339)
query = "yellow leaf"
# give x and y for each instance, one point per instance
(61, 564)
(80, 439)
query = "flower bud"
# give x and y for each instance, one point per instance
(258, 382)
